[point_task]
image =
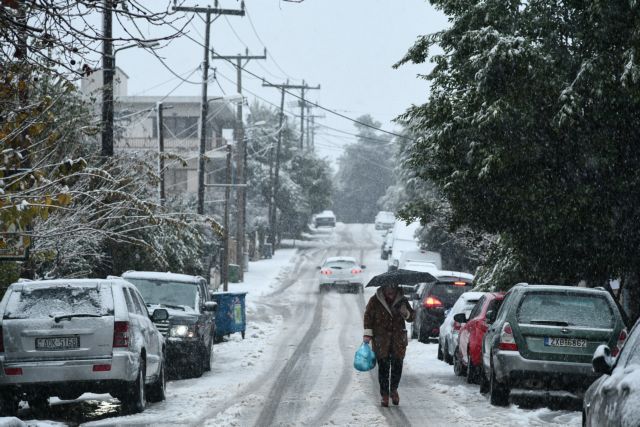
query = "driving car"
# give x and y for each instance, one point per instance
(325, 219)
(341, 273)
(68, 337)
(448, 337)
(474, 326)
(613, 398)
(384, 220)
(543, 338)
(433, 299)
(190, 328)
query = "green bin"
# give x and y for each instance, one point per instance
(234, 273)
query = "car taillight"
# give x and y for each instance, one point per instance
(507, 341)
(456, 326)
(326, 271)
(13, 371)
(101, 368)
(120, 334)
(432, 302)
(621, 339)
(356, 271)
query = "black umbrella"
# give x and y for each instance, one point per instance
(400, 277)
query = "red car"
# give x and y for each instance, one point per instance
(469, 352)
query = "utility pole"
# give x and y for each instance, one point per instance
(273, 207)
(160, 131)
(227, 190)
(303, 105)
(207, 11)
(107, 78)
(241, 155)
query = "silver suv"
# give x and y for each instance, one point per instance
(67, 337)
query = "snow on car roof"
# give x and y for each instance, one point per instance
(42, 284)
(340, 258)
(325, 214)
(455, 274)
(159, 275)
(471, 296)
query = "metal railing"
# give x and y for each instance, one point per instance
(170, 144)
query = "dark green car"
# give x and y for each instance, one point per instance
(543, 337)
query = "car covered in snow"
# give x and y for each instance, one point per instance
(384, 220)
(67, 337)
(190, 328)
(432, 301)
(324, 219)
(341, 273)
(613, 398)
(448, 337)
(543, 338)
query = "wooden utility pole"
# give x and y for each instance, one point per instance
(241, 155)
(160, 131)
(303, 105)
(227, 190)
(207, 11)
(107, 78)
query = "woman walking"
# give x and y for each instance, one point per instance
(384, 326)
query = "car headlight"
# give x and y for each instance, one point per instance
(182, 331)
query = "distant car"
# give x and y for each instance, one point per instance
(419, 256)
(190, 328)
(474, 326)
(448, 337)
(341, 274)
(68, 337)
(384, 220)
(385, 250)
(433, 299)
(426, 267)
(543, 338)
(325, 219)
(613, 398)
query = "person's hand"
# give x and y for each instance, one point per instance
(366, 339)
(404, 312)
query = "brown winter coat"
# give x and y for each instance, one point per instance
(386, 325)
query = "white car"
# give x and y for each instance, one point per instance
(68, 337)
(341, 274)
(325, 219)
(384, 220)
(449, 330)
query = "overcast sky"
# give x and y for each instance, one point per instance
(346, 46)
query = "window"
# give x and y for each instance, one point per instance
(477, 309)
(129, 300)
(572, 309)
(181, 127)
(141, 308)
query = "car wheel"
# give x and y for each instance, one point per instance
(446, 354)
(209, 358)
(584, 419)
(472, 372)
(458, 367)
(197, 364)
(484, 383)
(498, 393)
(39, 405)
(440, 355)
(136, 400)
(9, 405)
(423, 337)
(157, 390)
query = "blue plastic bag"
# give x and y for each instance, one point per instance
(365, 358)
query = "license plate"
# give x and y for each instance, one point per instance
(58, 343)
(341, 282)
(565, 342)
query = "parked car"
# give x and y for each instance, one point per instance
(384, 220)
(613, 398)
(543, 337)
(433, 299)
(190, 328)
(448, 337)
(325, 219)
(67, 337)
(404, 239)
(341, 274)
(419, 256)
(385, 250)
(474, 326)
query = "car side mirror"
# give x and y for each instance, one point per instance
(210, 306)
(160, 315)
(460, 318)
(491, 316)
(602, 361)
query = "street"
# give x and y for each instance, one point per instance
(295, 366)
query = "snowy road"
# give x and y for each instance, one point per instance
(295, 365)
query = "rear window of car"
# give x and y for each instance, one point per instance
(572, 309)
(46, 302)
(449, 293)
(340, 265)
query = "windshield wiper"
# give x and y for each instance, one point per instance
(179, 307)
(70, 316)
(550, 322)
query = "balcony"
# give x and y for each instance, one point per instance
(170, 144)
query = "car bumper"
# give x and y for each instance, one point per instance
(177, 350)
(511, 368)
(432, 325)
(124, 367)
(342, 287)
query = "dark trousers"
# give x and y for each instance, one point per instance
(389, 373)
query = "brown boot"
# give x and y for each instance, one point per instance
(395, 397)
(384, 401)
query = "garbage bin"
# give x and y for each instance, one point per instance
(234, 273)
(267, 250)
(231, 314)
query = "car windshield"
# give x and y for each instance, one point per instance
(449, 293)
(39, 303)
(339, 265)
(566, 309)
(169, 293)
